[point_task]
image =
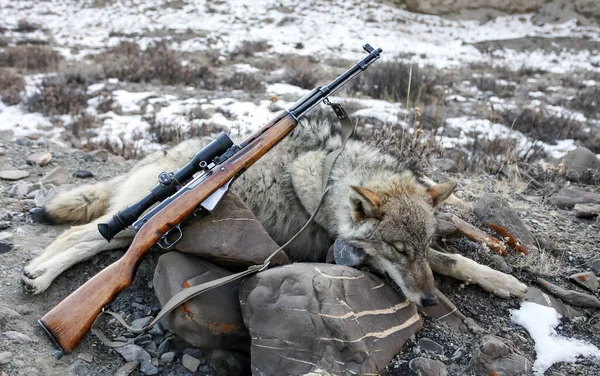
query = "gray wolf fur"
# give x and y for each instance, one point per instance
(375, 201)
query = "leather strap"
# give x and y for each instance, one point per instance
(347, 131)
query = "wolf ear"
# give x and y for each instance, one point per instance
(364, 203)
(348, 254)
(440, 192)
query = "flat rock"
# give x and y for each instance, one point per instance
(298, 307)
(210, 320)
(140, 323)
(127, 369)
(58, 176)
(569, 197)
(498, 356)
(5, 246)
(577, 163)
(13, 175)
(4, 225)
(147, 368)
(428, 367)
(496, 212)
(133, 353)
(99, 155)
(431, 345)
(587, 280)
(576, 298)
(190, 362)
(39, 159)
(22, 141)
(536, 295)
(168, 357)
(5, 357)
(19, 337)
(587, 210)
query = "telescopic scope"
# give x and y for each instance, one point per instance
(168, 183)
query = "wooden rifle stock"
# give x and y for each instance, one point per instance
(71, 319)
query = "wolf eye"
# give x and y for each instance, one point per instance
(399, 249)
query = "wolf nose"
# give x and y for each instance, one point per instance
(429, 301)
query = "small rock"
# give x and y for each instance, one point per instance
(13, 175)
(495, 355)
(87, 357)
(133, 352)
(536, 295)
(44, 195)
(430, 345)
(569, 197)
(58, 176)
(152, 350)
(586, 280)
(83, 174)
(5, 215)
(144, 339)
(196, 353)
(190, 362)
(7, 314)
(140, 323)
(22, 141)
(19, 337)
(127, 369)
(428, 367)
(20, 189)
(78, 368)
(445, 164)
(57, 354)
(39, 159)
(99, 155)
(116, 159)
(4, 225)
(147, 368)
(594, 264)
(5, 357)
(167, 357)
(164, 346)
(587, 210)
(578, 161)
(575, 298)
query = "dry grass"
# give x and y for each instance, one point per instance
(539, 262)
(11, 86)
(250, 48)
(538, 124)
(243, 81)
(587, 101)
(302, 71)
(63, 94)
(128, 62)
(24, 26)
(30, 58)
(173, 134)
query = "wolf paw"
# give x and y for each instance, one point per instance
(37, 279)
(502, 285)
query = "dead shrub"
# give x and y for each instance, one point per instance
(538, 124)
(64, 94)
(30, 58)
(24, 26)
(587, 101)
(171, 134)
(301, 71)
(11, 86)
(82, 124)
(390, 81)
(243, 81)
(249, 48)
(128, 62)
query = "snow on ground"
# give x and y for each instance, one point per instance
(550, 347)
(328, 29)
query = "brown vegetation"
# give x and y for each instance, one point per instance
(243, 81)
(30, 58)
(11, 86)
(63, 94)
(302, 71)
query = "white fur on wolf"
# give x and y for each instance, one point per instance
(374, 201)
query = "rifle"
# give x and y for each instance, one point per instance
(195, 188)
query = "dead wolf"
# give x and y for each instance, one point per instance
(375, 201)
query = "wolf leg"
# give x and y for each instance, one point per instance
(465, 269)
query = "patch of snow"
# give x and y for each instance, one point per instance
(95, 87)
(129, 100)
(536, 94)
(550, 347)
(282, 89)
(589, 83)
(245, 68)
(23, 123)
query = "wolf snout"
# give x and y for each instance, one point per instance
(429, 301)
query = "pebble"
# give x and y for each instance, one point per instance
(140, 323)
(5, 357)
(190, 362)
(167, 357)
(44, 195)
(83, 174)
(58, 176)
(57, 354)
(39, 159)
(164, 346)
(127, 369)
(87, 357)
(132, 353)
(147, 368)
(19, 337)
(22, 141)
(13, 175)
(20, 189)
(98, 155)
(78, 368)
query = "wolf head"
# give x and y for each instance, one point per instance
(392, 222)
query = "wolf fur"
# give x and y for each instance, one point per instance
(375, 201)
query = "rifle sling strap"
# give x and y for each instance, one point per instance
(193, 291)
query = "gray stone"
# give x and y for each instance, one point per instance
(78, 368)
(577, 162)
(7, 314)
(5, 246)
(196, 353)
(83, 174)
(428, 367)
(164, 346)
(99, 155)
(569, 197)
(536, 295)
(44, 195)
(144, 339)
(5, 357)
(140, 323)
(495, 354)
(229, 363)
(587, 210)
(168, 357)
(132, 353)
(116, 159)
(210, 320)
(299, 304)
(19, 337)
(190, 362)
(445, 164)
(496, 212)
(39, 159)
(147, 368)
(127, 369)
(13, 175)
(431, 345)
(58, 176)
(587, 280)
(576, 298)
(87, 357)
(5, 215)
(594, 264)
(22, 141)
(20, 189)
(4, 225)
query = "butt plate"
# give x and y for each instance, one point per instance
(52, 337)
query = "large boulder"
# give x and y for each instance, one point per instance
(498, 356)
(569, 197)
(579, 162)
(231, 237)
(322, 318)
(212, 320)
